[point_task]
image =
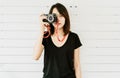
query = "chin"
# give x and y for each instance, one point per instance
(60, 26)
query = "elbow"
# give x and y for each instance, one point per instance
(35, 58)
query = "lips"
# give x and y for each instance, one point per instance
(58, 23)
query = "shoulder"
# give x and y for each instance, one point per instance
(73, 34)
(46, 40)
(76, 40)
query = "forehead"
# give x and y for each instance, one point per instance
(55, 11)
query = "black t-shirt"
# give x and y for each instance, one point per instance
(58, 61)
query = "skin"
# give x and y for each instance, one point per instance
(38, 48)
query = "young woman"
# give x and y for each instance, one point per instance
(61, 48)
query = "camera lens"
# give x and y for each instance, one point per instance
(51, 18)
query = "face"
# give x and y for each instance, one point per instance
(60, 19)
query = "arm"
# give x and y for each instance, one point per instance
(38, 48)
(77, 63)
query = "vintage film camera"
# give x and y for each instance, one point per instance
(51, 18)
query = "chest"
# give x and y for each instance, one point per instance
(62, 42)
(60, 49)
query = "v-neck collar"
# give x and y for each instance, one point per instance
(64, 42)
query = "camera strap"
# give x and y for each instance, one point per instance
(58, 35)
(49, 33)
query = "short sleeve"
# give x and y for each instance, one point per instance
(77, 42)
(44, 41)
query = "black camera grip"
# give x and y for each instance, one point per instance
(45, 20)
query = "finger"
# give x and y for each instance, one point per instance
(46, 25)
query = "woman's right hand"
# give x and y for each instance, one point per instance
(43, 25)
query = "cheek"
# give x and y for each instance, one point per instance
(63, 20)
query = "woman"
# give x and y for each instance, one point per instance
(61, 57)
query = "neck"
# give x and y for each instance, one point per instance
(59, 32)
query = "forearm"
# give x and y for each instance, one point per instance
(77, 64)
(78, 72)
(37, 48)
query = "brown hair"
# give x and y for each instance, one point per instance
(63, 11)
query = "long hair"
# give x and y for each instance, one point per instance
(63, 11)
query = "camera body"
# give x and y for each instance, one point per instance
(51, 18)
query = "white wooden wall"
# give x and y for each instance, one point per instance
(96, 21)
